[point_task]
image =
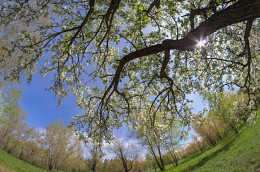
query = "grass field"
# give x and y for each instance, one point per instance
(9, 163)
(235, 153)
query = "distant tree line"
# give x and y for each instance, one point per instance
(58, 147)
(226, 114)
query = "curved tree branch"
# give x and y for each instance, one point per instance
(238, 12)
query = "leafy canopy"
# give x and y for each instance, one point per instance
(120, 57)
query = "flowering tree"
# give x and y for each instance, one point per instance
(160, 135)
(116, 56)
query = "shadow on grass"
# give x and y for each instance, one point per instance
(204, 160)
(195, 155)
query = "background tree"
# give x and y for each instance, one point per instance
(171, 142)
(208, 132)
(11, 117)
(127, 152)
(55, 148)
(94, 153)
(228, 107)
(74, 159)
(149, 162)
(55, 142)
(16, 137)
(160, 134)
(30, 149)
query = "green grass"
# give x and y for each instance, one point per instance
(9, 163)
(235, 153)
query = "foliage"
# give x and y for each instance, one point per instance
(74, 155)
(55, 142)
(157, 137)
(212, 130)
(11, 115)
(117, 56)
(230, 108)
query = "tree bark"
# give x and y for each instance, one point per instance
(241, 11)
(154, 155)
(161, 158)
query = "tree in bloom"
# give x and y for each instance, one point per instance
(116, 56)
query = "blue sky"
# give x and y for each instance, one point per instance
(42, 106)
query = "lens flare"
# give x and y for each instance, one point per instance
(201, 43)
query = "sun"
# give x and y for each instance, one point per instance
(201, 43)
